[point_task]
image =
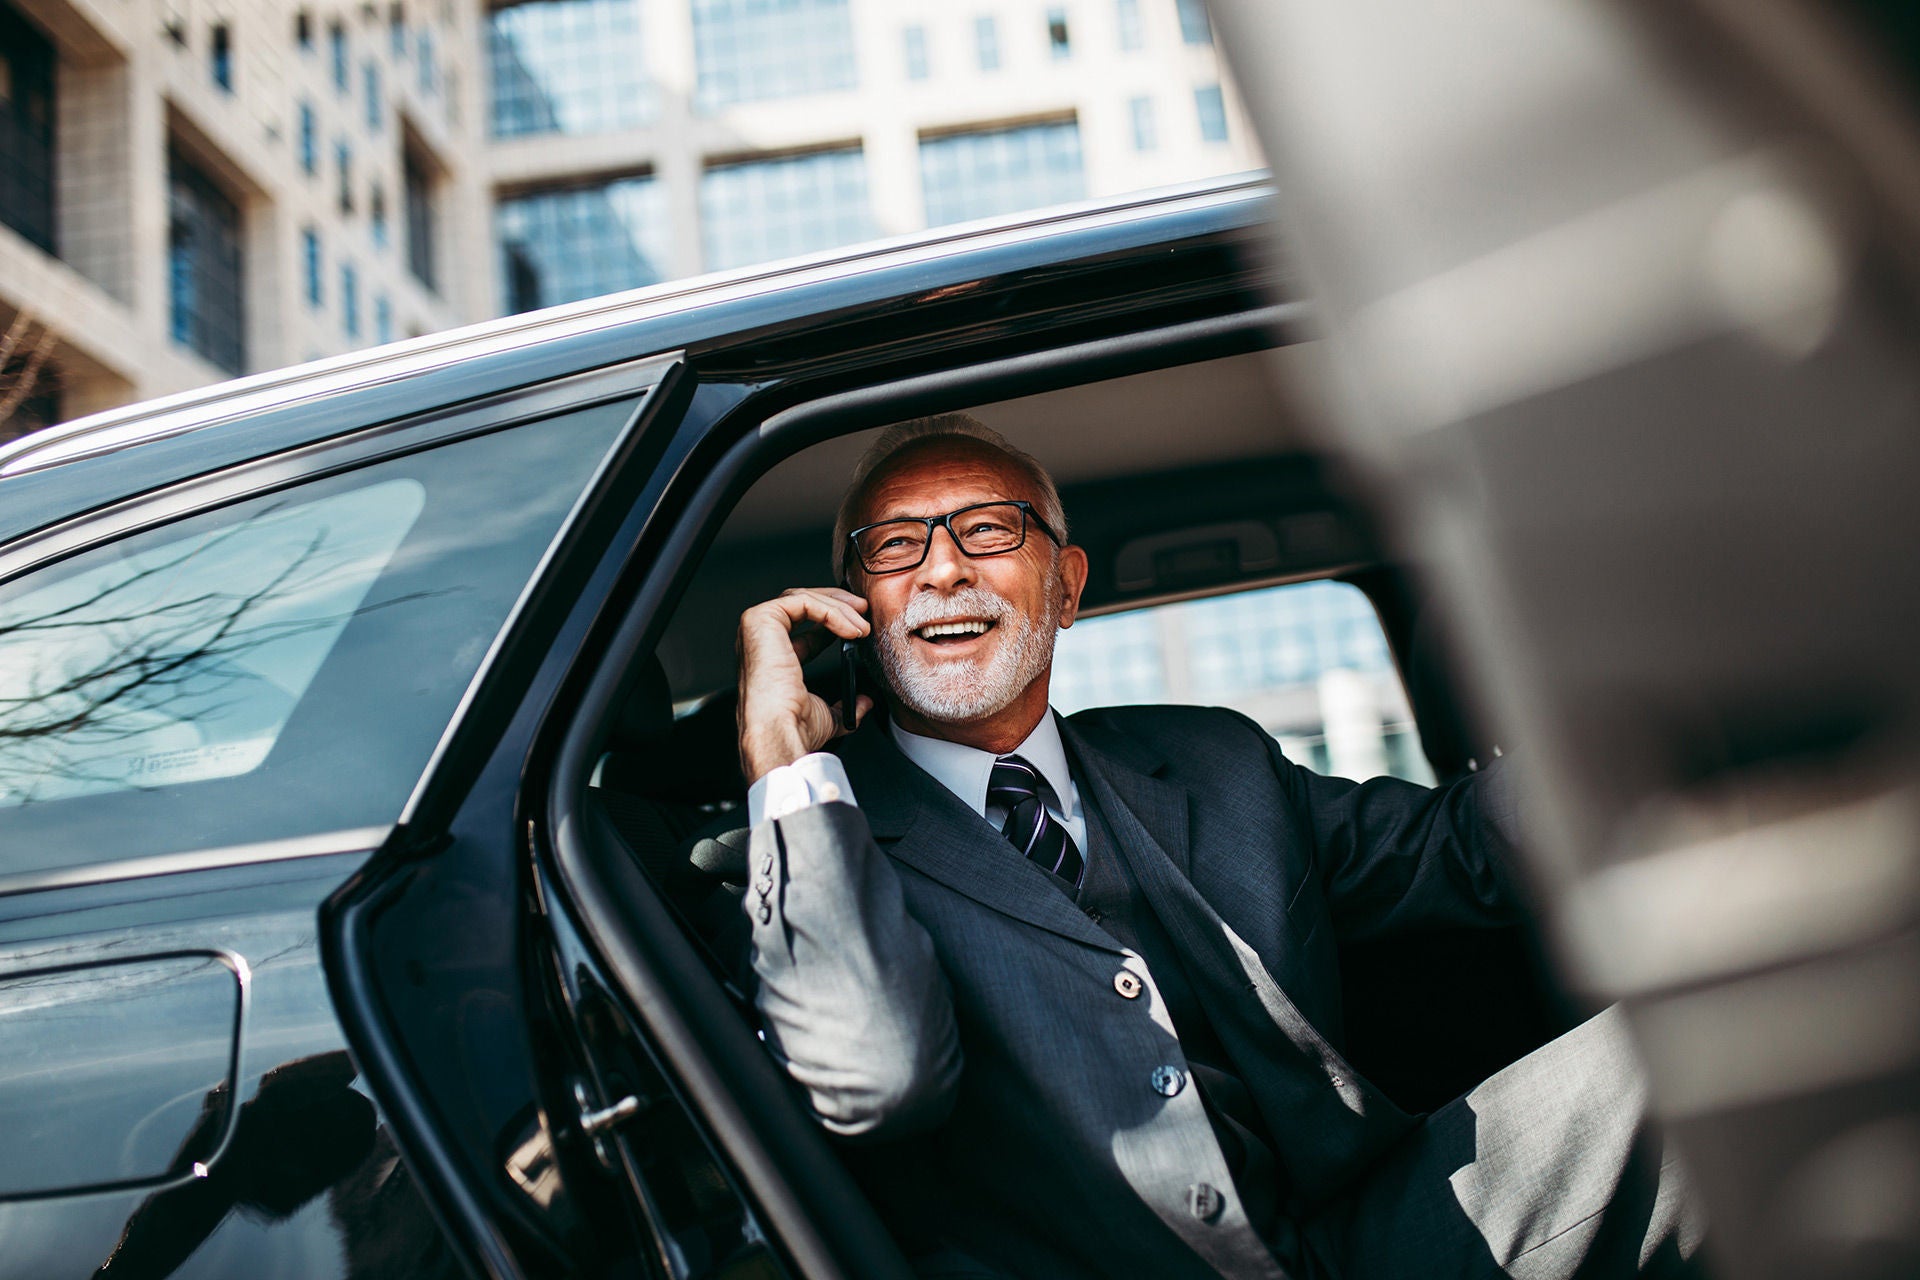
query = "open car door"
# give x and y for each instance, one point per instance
(1624, 309)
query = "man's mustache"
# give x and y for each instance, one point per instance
(967, 602)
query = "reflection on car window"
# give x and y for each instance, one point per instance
(182, 662)
(280, 667)
(1308, 661)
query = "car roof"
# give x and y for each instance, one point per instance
(67, 470)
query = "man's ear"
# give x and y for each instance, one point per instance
(1073, 580)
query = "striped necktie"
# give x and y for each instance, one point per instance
(1015, 786)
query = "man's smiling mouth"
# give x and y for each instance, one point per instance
(953, 632)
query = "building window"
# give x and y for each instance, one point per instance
(992, 171)
(370, 83)
(383, 319)
(220, 56)
(422, 219)
(568, 66)
(759, 210)
(986, 42)
(350, 301)
(26, 129)
(310, 261)
(1126, 16)
(429, 69)
(1195, 28)
(377, 215)
(303, 30)
(580, 242)
(309, 142)
(1212, 110)
(916, 48)
(1308, 661)
(337, 48)
(397, 30)
(750, 50)
(1059, 40)
(204, 266)
(343, 166)
(1145, 136)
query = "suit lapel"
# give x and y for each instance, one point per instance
(1119, 769)
(922, 824)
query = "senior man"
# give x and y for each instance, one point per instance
(1071, 982)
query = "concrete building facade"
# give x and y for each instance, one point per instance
(194, 189)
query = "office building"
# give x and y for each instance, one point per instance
(193, 189)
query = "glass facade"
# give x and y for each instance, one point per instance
(759, 210)
(986, 42)
(26, 129)
(1212, 110)
(567, 66)
(579, 242)
(992, 171)
(1308, 661)
(204, 266)
(1195, 27)
(752, 50)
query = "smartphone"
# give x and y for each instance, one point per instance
(849, 682)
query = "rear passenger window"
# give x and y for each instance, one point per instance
(283, 666)
(1308, 661)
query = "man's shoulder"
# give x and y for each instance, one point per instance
(1173, 730)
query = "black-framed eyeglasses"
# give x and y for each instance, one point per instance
(983, 529)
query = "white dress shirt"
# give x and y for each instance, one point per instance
(820, 778)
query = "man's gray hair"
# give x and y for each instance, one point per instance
(901, 435)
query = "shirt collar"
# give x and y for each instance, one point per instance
(965, 770)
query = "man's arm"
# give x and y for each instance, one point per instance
(1394, 855)
(853, 1001)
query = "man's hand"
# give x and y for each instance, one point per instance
(780, 721)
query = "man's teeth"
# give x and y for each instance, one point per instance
(955, 629)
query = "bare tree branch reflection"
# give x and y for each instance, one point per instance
(149, 647)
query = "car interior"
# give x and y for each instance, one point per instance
(1193, 481)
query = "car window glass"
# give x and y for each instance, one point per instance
(182, 661)
(279, 667)
(1307, 660)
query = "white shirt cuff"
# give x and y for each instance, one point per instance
(813, 779)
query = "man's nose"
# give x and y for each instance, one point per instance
(946, 566)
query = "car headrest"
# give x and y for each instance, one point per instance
(646, 718)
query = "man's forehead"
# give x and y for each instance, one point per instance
(940, 475)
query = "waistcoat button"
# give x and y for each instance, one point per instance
(1168, 1081)
(1204, 1201)
(1126, 984)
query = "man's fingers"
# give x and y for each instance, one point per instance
(861, 705)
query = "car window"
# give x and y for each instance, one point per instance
(181, 661)
(278, 667)
(1308, 661)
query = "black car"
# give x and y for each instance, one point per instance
(367, 783)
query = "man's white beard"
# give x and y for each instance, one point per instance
(957, 692)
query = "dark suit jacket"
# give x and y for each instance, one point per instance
(938, 995)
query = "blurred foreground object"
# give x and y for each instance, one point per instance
(1622, 309)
